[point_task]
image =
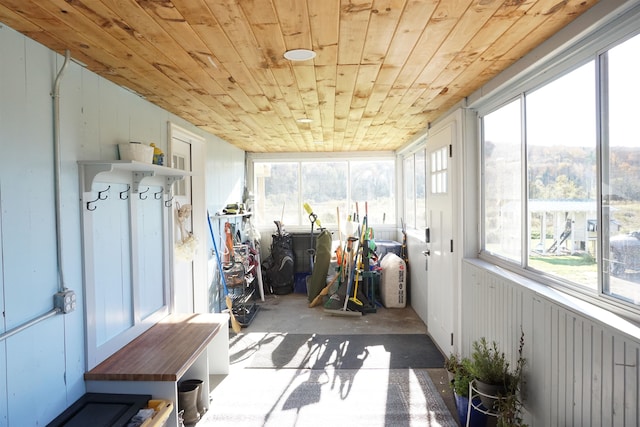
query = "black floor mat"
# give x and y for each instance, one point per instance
(304, 351)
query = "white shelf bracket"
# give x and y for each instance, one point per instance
(138, 176)
(90, 173)
(169, 180)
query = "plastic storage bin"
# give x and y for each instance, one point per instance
(384, 247)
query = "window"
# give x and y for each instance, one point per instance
(420, 189)
(415, 194)
(621, 173)
(439, 166)
(502, 147)
(409, 191)
(276, 188)
(373, 182)
(561, 176)
(324, 188)
(282, 187)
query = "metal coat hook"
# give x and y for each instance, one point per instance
(101, 196)
(167, 203)
(124, 195)
(142, 192)
(157, 195)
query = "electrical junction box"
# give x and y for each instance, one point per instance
(65, 301)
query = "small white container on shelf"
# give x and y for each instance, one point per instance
(136, 151)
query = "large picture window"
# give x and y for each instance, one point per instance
(561, 177)
(281, 188)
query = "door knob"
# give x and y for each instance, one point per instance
(426, 253)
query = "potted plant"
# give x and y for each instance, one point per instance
(451, 365)
(494, 377)
(460, 384)
(509, 411)
(509, 407)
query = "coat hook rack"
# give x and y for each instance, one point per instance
(143, 192)
(168, 203)
(101, 196)
(124, 195)
(157, 195)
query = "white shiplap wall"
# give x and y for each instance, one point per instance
(42, 367)
(582, 367)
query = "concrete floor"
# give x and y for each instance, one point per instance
(291, 314)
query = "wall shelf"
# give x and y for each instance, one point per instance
(125, 170)
(246, 214)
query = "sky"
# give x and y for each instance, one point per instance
(564, 113)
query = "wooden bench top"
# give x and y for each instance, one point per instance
(162, 353)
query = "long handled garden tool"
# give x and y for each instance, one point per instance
(323, 292)
(403, 249)
(314, 220)
(343, 311)
(234, 322)
(339, 251)
(359, 264)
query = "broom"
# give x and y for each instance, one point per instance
(323, 292)
(234, 322)
(329, 305)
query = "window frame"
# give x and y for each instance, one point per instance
(409, 155)
(301, 158)
(572, 55)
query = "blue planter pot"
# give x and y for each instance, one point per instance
(478, 419)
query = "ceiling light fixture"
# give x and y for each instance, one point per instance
(299, 54)
(304, 120)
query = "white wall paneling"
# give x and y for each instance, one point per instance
(45, 363)
(418, 291)
(581, 370)
(126, 231)
(32, 363)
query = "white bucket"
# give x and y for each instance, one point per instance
(136, 151)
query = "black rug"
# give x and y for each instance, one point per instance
(313, 351)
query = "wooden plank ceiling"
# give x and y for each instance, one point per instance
(384, 68)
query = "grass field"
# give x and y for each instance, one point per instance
(578, 269)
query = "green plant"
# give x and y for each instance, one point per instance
(462, 378)
(489, 364)
(452, 362)
(509, 410)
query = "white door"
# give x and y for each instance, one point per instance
(183, 266)
(439, 237)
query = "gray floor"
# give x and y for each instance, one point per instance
(291, 314)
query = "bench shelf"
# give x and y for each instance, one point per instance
(179, 347)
